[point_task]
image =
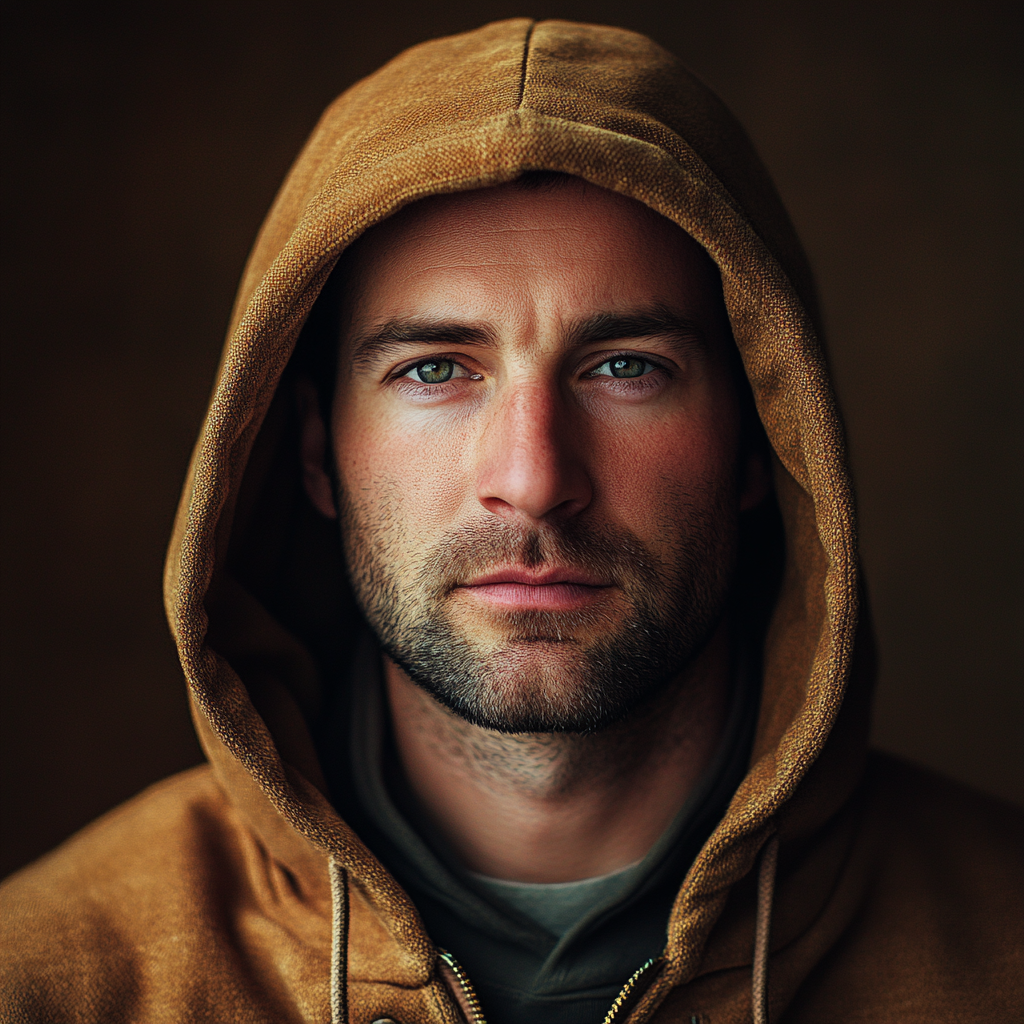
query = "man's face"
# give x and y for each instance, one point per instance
(535, 432)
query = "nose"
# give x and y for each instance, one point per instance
(530, 457)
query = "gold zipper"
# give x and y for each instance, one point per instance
(624, 1001)
(472, 1000)
(627, 998)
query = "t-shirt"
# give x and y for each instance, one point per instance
(557, 906)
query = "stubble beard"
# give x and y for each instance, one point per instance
(547, 672)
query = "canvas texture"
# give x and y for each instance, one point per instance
(236, 892)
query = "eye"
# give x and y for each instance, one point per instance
(432, 371)
(623, 366)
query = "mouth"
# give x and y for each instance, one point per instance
(553, 589)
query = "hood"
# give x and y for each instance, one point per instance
(255, 589)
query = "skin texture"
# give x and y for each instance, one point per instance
(554, 524)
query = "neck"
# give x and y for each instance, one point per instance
(556, 807)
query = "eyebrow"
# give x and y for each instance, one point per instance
(418, 331)
(657, 321)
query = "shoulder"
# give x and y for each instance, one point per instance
(158, 825)
(949, 859)
(73, 922)
(940, 932)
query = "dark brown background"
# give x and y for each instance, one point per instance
(144, 143)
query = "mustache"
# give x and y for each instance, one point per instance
(601, 550)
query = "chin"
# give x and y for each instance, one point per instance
(539, 685)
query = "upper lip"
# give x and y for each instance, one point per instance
(537, 577)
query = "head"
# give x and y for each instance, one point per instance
(535, 450)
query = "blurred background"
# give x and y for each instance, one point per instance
(144, 143)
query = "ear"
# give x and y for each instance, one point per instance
(313, 453)
(755, 477)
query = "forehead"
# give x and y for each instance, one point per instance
(513, 252)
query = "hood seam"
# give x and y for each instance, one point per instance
(522, 70)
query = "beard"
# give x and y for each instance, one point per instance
(531, 671)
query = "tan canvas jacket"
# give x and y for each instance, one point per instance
(234, 892)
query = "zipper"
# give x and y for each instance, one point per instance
(470, 1001)
(632, 991)
(617, 1013)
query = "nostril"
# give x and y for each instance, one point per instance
(538, 488)
(498, 506)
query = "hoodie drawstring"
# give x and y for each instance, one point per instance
(339, 942)
(763, 928)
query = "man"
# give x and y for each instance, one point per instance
(515, 583)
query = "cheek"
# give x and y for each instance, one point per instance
(414, 470)
(644, 471)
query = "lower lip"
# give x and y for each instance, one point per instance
(548, 597)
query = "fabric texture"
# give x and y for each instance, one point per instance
(237, 891)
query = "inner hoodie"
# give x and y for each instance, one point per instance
(272, 642)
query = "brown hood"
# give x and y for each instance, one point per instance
(251, 569)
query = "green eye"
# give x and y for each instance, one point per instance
(627, 366)
(435, 371)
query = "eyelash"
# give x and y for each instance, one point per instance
(402, 372)
(656, 367)
(422, 387)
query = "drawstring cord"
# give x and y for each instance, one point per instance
(763, 927)
(339, 942)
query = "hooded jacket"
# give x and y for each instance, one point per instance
(840, 885)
